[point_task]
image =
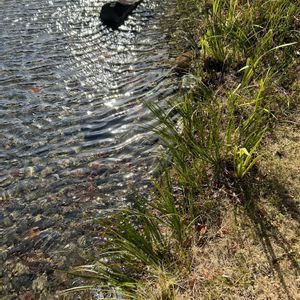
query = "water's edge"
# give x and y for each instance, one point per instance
(74, 134)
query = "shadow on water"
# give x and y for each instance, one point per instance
(72, 129)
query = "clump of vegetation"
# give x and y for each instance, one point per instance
(213, 228)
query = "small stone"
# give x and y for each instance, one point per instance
(1, 217)
(81, 241)
(3, 255)
(47, 239)
(7, 222)
(9, 236)
(60, 262)
(45, 223)
(15, 215)
(47, 171)
(40, 283)
(24, 280)
(24, 246)
(189, 82)
(27, 296)
(22, 226)
(37, 218)
(183, 62)
(33, 232)
(20, 269)
(50, 209)
(29, 171)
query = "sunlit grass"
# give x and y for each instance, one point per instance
(213, 136)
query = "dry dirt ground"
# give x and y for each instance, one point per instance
(255, 254)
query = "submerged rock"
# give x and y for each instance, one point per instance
(23, 281)
(114, 14)
(40, 283)
(183, 62)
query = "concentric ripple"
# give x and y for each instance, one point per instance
(73, 129)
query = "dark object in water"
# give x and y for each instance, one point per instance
(114, 14)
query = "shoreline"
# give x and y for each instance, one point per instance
(224, 218)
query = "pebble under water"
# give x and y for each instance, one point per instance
(74, 134)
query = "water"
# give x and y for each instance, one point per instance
(73, 131)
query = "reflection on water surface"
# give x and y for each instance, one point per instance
(73, 135)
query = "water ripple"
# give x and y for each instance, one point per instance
(72, 122)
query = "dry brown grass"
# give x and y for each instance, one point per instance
(255, 252)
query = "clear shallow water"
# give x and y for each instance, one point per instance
(73, 131)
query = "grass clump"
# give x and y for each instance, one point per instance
(218, 224)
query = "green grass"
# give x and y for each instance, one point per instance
(244, 56)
